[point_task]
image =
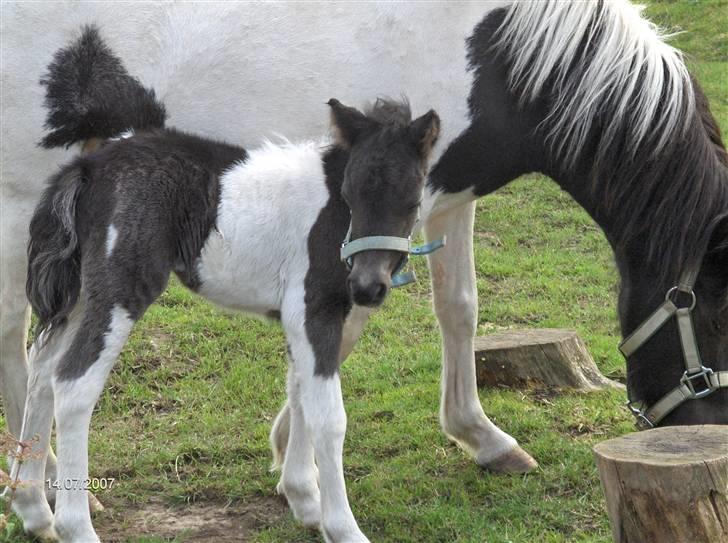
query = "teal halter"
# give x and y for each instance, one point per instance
(389, 243)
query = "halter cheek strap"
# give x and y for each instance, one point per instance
(389, 243)
(698, 381)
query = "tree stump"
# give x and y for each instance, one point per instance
(667, 485)
(542, 357)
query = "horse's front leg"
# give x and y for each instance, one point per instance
(315, 344)
(452, 270)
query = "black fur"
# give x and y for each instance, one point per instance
(160, 190)
(54, 259)
(327, 298)
(89, 94)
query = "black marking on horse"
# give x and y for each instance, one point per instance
(89, 94)
(660, 211)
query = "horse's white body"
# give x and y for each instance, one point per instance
(242, 72)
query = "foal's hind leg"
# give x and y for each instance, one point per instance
(456, 304)
(29, 501)
(77, 385)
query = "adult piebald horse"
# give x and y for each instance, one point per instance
(585, 92)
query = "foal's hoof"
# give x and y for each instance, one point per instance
(514, 461)
(94, 505)
(46, 535)
(304, 504)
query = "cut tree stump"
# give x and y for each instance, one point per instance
(535, 358)
(667, 485)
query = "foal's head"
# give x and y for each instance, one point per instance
(383, 184)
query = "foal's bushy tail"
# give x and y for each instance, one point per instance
(54, 258)
(89, 94)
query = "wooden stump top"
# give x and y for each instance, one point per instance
(669, 446)
(508, 339)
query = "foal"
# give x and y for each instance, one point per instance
(257, 231)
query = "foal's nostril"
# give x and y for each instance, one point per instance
(380, 291)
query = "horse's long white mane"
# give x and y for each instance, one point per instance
(602, 58)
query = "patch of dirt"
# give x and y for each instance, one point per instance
(192, 523)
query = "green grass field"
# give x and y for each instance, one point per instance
(184, 421)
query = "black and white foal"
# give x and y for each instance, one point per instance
(256, 231)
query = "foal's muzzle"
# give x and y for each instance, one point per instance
(368, 291)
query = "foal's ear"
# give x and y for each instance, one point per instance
(424, 132)
(348, 123)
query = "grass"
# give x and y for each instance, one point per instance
(186, 413)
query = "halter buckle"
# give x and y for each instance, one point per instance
(641, 420)
(704, 373)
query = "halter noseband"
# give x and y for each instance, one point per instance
(389, 243)
(697, 381)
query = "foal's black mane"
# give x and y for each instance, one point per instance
(388, 111)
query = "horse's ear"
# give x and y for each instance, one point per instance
(425, 131)
(348, 123)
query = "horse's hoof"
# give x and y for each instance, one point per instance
(94, 505)
(514, 461)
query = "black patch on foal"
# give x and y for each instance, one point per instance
(326, 296)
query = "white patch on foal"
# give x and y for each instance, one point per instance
(111, 234)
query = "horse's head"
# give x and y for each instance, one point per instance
(383, 186)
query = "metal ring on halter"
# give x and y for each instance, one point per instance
(674, 289)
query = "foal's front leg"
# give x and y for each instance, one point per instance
(452, 271)
(315, 359)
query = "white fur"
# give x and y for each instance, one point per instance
(324, 418)
(111, 234)
(124, 135)
(267, 207)
(626, 74)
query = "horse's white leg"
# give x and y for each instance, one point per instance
(292, 450)
(76, 392)
(324, 419)
(452, 270)
(14, 322)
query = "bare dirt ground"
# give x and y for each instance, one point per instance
(192, 523)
